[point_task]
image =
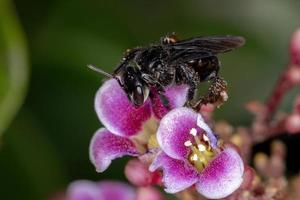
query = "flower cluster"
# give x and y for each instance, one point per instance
(176, 144)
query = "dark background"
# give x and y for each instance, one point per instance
(44, 145)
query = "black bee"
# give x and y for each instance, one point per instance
(172, 61)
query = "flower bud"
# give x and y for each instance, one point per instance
(297, 104)
(278, 148)
(292, 123)
(295, 47)
(137, 173)
(261, 162)
(248, 178)
(148, 193)
(293, 75)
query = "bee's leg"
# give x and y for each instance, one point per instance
(190, 77)
(152, 82)
(165, 101)
(157, 90)
(191, 93)
(156, 94)
(216, 94)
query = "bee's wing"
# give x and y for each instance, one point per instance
(201, 47)
(212, 44)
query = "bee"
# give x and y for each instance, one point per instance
(144, 71)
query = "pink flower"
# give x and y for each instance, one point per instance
(191, 155)
(105, 190)
(122, 121)
(109, 190)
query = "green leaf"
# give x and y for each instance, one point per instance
(13, 64)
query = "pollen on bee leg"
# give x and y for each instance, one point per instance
(224, 95)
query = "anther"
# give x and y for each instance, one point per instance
(188, 143)
(205, 138)
(193, 132)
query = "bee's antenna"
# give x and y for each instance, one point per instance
(100, 71)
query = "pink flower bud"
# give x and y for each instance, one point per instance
(278, 148)
(148, 193)
(297, 104)
(248, 178)
(292, 123)
(138, 174)
(293, 75)
(277, 168)
(295, 47)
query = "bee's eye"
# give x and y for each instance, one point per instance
(139, 90)
(138, 96)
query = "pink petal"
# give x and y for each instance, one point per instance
(174, 131)
(113, 190)
(176, 95)
(83, 190)
(105, 147)
(117, 113)
(222, 176)
(105, 190)
(177, 174)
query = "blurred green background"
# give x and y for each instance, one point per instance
(46, 92)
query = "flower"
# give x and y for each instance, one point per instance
(109, 190)
(105, 190)
(191, 155)
(123, 121)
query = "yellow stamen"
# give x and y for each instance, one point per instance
(152, 142)
(201, 151)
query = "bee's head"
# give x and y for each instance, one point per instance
(134, 86)
(129, 78)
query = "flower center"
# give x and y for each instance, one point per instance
(201, 150)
